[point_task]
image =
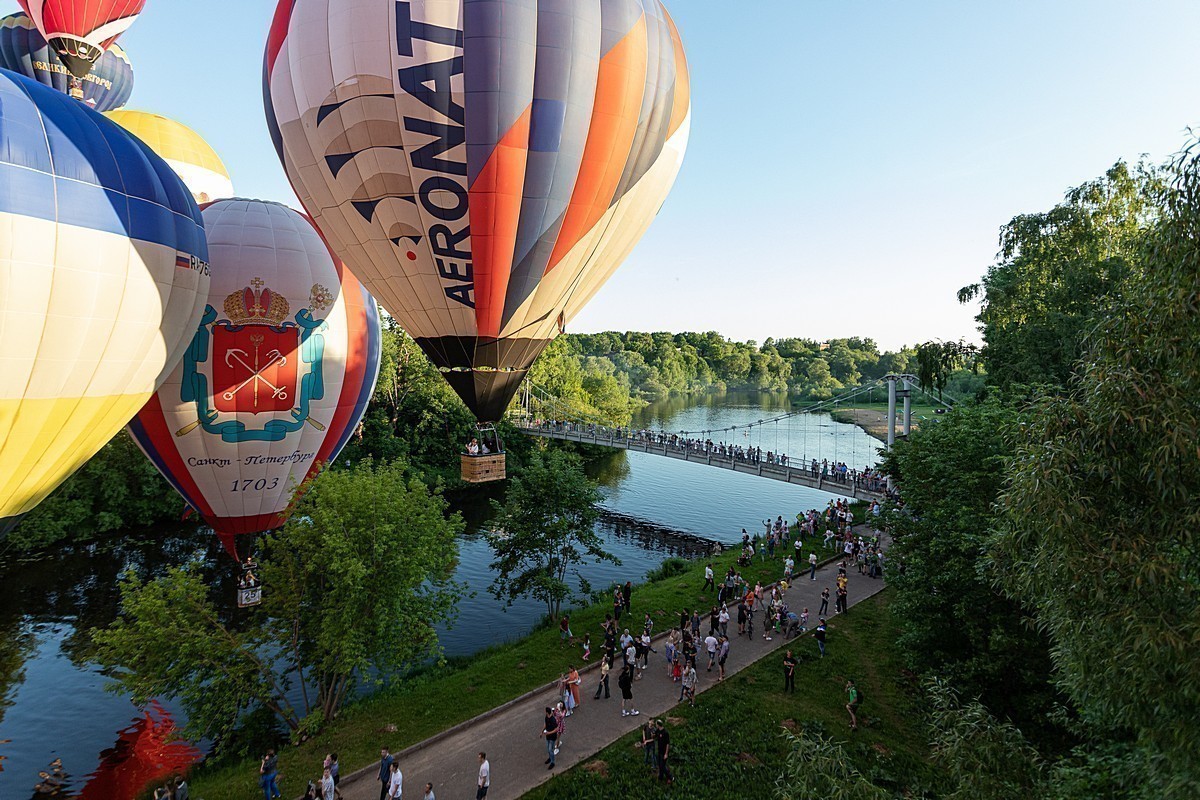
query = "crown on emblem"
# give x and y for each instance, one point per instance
(256, 304)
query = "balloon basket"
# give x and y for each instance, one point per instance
(249, 597)
(483, 469)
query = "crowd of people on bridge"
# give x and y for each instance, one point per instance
(867, 479)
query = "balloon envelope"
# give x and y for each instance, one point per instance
(483, 166)
(278, 375)
(24, 51)
(102, 280)
(81, 30)
(188, 154)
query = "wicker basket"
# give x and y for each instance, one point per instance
(483, 469)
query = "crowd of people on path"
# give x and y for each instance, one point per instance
(701, 641)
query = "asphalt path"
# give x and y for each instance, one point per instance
(510, 734)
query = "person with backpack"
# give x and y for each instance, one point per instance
(855, 699)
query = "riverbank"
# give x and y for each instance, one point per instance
(732, 740)
(872, 417)
(465, 688)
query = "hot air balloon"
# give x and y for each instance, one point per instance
(24, 51)
(277, 377)
(103, 276)
(483, 167)
(81, 30)
(188, 154)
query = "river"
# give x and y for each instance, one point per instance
(53, 703)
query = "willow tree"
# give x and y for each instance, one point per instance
(1099, 527)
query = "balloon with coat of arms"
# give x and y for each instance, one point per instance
(103, 275)
(277, 377)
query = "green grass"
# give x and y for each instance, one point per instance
(920, 407)
(730, 745)
(443, 697)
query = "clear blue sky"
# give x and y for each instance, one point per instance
(850, 162)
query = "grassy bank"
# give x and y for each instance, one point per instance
(872, 417)
(731, 745)
(465, 688)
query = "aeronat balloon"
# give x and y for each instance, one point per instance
(277, 377)
(189, 155)
(24, 51)
(81, 30)
(103, 275)
(483, 166)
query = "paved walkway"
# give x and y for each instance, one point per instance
(511, 738)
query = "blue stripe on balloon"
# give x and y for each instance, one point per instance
(138, 431)
(371, 374)
(65, 163)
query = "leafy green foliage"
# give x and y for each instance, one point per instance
(353, 586)
(359, 578)
(818, 767)
(545, 529)
(952, 620)
(980, 757)
(661, 364)
(118, 488)
(1057, 274)
(1099, 524)
(938, 362)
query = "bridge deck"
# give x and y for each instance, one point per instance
(794, 475)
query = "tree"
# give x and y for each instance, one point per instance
(819, 767)
(544, 531)
(118, 488)
(1057, 272)
(953, 621)
(354, 587)
(981, 757)
(1099, 526)
(937, 361)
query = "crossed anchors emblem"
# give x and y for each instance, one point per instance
(255, 373)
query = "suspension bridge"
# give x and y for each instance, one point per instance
(541, 414)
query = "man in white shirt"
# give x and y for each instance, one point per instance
(812, 566)
(710, 644)
(485, 776)
(395, 782)
(708, 579)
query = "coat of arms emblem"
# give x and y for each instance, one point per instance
(259, 362)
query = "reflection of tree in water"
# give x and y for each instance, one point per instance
(80, 585)
(654, 538)
(660, 412)
(610, 469)
(16, 643)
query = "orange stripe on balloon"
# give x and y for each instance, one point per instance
(683, 81)
(495, 203)
(619, 87)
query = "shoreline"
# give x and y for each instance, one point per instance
(440, 700)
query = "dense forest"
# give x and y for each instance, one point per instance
(661, 364)
(1048, 535)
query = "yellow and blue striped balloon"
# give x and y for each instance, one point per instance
(103, 277)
